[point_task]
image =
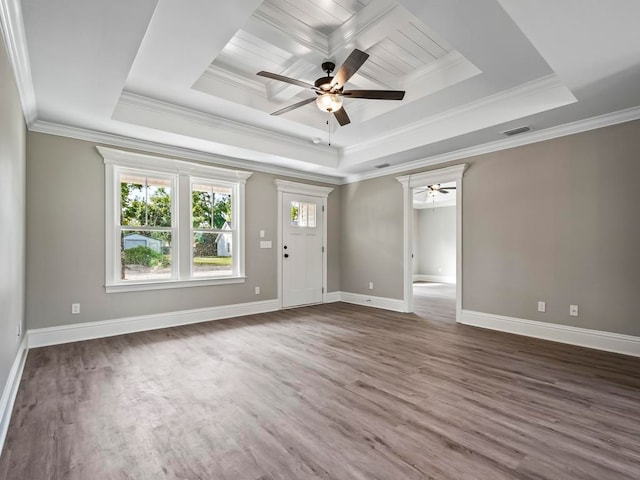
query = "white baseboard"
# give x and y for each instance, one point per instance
(331, 297)
(42, 337)
(11, 390)
(599, 340)
(371, 301)
(434, 278)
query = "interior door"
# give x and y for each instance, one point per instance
(301, 249)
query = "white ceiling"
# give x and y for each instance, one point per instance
(177, 75)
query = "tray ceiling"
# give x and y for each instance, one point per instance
(158, 72)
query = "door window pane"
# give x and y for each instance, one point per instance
(303, 214)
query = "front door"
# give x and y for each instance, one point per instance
(302, 250)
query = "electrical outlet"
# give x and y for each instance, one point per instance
(542, 307)
(573, 310)
(75, 308)
(370, 285)
(257, 290)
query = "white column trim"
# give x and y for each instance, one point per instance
(440, 175)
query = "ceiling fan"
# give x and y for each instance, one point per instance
(435, 189)
(330, 90)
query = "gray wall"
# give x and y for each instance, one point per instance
(556, 221)
(372, 241)
(65, 187)
(12, 216)
(435, 244)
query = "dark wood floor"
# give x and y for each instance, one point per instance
(325, 392)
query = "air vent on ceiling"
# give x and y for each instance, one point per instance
(516, 131)
(382, 165)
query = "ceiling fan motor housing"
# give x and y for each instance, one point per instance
(324, 84)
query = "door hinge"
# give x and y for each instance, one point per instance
(322, 289)
(323, 208)
(322, 249)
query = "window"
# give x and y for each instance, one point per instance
(303, 214)
(171, 223)
(213, 229)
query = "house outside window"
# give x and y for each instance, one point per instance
(171, 223)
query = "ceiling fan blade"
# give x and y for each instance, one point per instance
(342, 117)
(350, 66)
(294, 106)
(282, 78)
(375, 94)
(442, 190)
(447, 188)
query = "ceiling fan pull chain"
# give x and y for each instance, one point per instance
(329, 128)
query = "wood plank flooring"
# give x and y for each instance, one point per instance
(325, 392)
(435, 301)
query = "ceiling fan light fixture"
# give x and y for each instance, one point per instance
(329, 102)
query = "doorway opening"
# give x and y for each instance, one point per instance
(415, 185)
(434, 251)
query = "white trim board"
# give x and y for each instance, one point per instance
(583, 337)
(396, 305)
(434, 278)
(42, 337)
(10, 390)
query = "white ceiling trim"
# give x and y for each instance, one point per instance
(301, 33)
(217, 74)
(15, 39)
(123, 141)
(377, 14)
(572, 128)
(226, 129)
(524, 100)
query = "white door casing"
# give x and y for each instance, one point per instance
(302, 273)
(440, 175)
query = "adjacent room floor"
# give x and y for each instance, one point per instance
(435, 301)
(325, 392)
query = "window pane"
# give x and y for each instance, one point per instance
(212, 254)
(295, 213)
(303, 214)
(311, 220)
(145, 201)
(210, 206)
(145, 255)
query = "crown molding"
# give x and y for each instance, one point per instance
(548, 83)
(296, 30)
(368, 17)
(14, 35)
(214, 121)
(572, 128)
(122, 141)
(219, 74)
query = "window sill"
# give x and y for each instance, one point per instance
(201, 282)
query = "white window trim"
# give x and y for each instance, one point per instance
(183, 171)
